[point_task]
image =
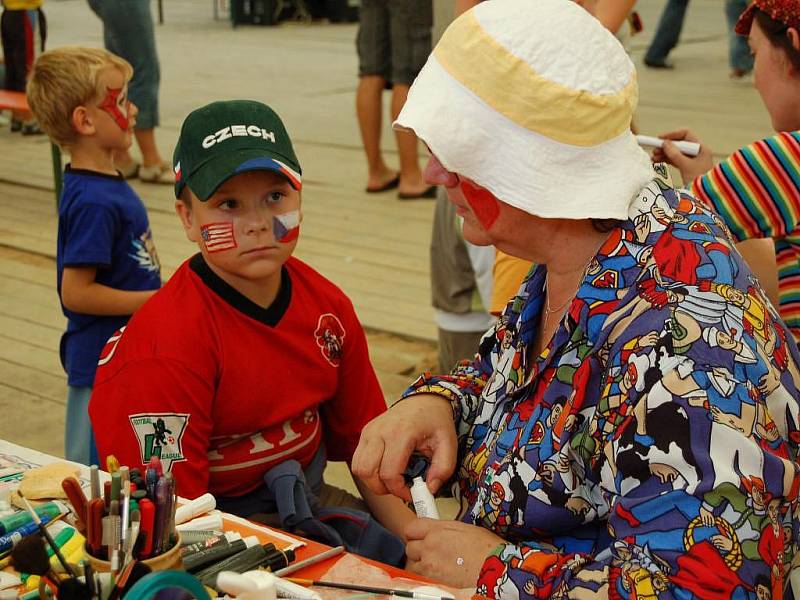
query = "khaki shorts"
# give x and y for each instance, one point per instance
(394, 38)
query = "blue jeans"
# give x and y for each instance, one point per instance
(668, 31)
(738, 51)
(78, 437)
(128, 32)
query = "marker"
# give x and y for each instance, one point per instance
(94, 479)
(162, 515)
(116, 486)
(196, 561)
(249, 559)
(223, 539)
(148, 510)
(687, 148)
(151, 480)
(17, 520)
(94, 525)
(62, 538)
(125, 510)
(155, 463)
(112, 464)
(113, 536)
(190, 537)
(9, 540)
(72, 487)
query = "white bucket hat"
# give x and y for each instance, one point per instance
(533, 100)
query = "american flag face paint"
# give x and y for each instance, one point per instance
(482, 202)
(218, 237)
(113, 106)
(286, 227)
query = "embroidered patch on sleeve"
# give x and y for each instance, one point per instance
(330, 335)
(160, 434)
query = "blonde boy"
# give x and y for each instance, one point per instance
(106, 262)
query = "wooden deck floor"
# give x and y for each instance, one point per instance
(374, 247)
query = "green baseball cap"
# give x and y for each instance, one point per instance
(223, 139)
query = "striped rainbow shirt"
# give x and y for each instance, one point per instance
(757, 192)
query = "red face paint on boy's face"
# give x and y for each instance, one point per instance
(482, 202)
(113, 104)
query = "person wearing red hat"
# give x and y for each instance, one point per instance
(757, 189)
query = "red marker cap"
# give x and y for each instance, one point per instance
(148, 510)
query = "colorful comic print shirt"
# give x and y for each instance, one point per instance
(649, 451)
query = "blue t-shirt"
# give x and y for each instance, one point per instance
(101, 223)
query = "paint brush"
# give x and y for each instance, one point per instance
(317, 558)
(47, 536)
(371, 590)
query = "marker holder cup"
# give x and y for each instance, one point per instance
(169, 560)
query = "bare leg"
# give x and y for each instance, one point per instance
(368, 110)
(411, 181)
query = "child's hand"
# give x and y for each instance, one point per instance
(689, 166)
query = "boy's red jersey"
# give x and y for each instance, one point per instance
(222, 389)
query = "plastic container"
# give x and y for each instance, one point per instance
(169, 560)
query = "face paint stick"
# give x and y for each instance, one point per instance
(148, 510)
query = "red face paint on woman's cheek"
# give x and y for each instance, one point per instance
(111, 106)
(482, 202)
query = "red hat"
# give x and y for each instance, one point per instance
(785, 11)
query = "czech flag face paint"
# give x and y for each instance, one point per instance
(482, 202)
(286, 227)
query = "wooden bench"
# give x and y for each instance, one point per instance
(17, 102)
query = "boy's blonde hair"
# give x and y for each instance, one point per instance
(65, 78)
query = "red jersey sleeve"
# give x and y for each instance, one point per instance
(155, 406)
(358, 398)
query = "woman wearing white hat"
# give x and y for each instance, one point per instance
(579, 440)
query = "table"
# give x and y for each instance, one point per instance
(33, 458)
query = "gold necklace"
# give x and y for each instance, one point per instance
(547, 308)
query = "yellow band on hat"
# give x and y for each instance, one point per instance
(513, 88)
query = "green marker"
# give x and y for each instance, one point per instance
(17, 520)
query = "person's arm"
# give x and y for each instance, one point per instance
(754, 190)
(760, 256)
(613, 13)
(80, 293)
(431, 417)
(389, 510)
(129, 397)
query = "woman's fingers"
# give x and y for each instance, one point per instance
(366, 461)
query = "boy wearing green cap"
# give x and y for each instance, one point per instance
(247, 357)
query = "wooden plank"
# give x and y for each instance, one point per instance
(31, 420)
(45, 385)
(38, 358)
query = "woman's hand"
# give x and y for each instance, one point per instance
(689, 166)
(424, 423)
(448, 551)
